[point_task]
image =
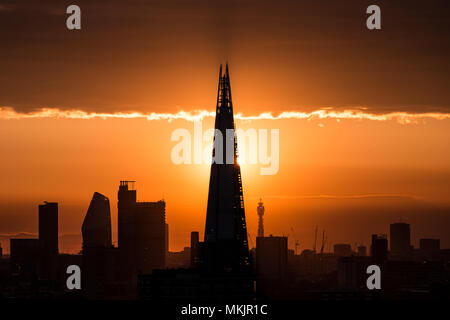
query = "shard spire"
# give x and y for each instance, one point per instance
(226, 228)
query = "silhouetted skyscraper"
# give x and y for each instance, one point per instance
(260, 210)
(379, 249)
(99, 256)
(225, 231)
(96, 228)
(48, 227)
(48, 240)
(141, 233)
(400, 236)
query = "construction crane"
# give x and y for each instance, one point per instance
(315, 240)
(324, 239)
(296, 242)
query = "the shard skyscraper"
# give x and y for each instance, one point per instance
(226, 231)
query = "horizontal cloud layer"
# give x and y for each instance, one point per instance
(8, 113)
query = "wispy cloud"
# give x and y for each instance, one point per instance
(8, 113)
(349, 196)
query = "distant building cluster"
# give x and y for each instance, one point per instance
(35, 268)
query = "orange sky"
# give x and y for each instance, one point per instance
(352, 177)
(350, 166)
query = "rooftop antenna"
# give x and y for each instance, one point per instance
(128, 183)
(260, 210)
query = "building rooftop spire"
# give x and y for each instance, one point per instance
(225, 217)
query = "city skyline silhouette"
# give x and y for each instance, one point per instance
(117, 159)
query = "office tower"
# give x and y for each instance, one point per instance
(48, 240)
(98, 253)
(342, 250)
(362, 251)
(379, 249)
(96, 228)
(271, 257)
(260, 210)
(225, 231)
(400, 239)
(195, 248)
(48, 228)
(126, 225)
(141, 232)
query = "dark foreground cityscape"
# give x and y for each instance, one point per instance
(220, 267)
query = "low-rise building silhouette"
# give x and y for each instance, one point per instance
(342, 250)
